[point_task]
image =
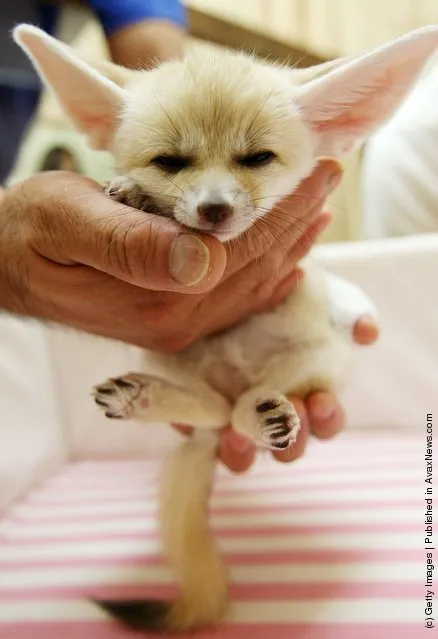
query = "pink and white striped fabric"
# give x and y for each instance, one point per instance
(327, 548)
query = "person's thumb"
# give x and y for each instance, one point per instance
(75, 223)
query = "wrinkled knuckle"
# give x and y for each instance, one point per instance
(15, 273)
(129, 248)
(39, 194)
(33, 204)
(45, 208)
(114, 247)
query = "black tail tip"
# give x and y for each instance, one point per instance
(138, 615)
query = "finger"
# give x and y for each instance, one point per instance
(297, 449)
(309, 237)
(236, 451)
(86, 299)
(326, 416)
(259, 286)
(365, 330)
(241, 295)
(281, 291)
(74, 222)
(316, 188)
(296, 238)
(273, 273)
(276, 288)
(291, 213)
(304, 244)
(148, 41)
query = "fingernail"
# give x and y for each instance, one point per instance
(189, 260)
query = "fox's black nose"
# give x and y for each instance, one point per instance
(214, 212)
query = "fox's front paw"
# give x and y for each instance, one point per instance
(122, 189)
(121, 397)
(278, 422)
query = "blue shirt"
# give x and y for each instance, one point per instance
(19, 84)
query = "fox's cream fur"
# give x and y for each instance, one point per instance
(241, 134)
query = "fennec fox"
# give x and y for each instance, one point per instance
(215, 141)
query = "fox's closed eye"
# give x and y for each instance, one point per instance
(254, 160)
(171, 163)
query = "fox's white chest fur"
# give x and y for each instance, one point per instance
(215, 141)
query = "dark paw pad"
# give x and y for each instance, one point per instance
(279, 423)
(123, 383)
(116, 396)
(268, 405)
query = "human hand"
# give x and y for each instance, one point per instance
(146, 43)
(321, 415)
(70, 254)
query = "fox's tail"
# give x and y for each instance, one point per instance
(188, 544)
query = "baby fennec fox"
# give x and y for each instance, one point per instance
(215, 141)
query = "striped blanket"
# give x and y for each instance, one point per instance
(330, 547)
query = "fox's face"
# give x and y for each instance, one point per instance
(218, 150)
(216, 139)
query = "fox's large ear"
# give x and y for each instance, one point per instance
(345, 105)
(92, 101)
(306, 74)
